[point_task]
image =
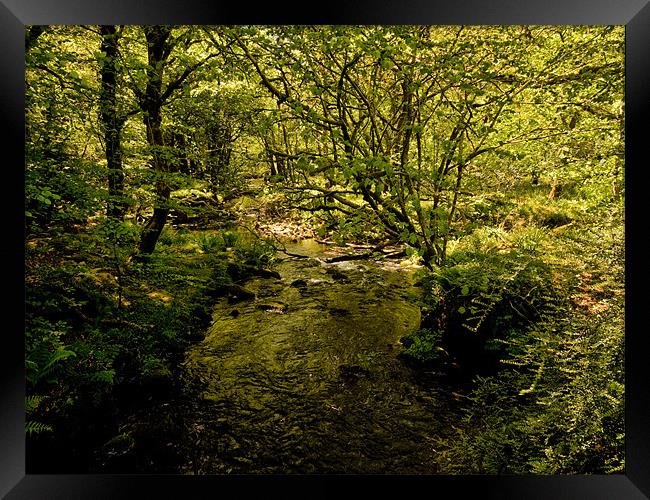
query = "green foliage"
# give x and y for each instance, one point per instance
(57, 193)
(558, 410)
(121, 234)
(46, 355)
(542, 213)
(169, 236)
(81, 349)
(210, 243)
(32, 402)
(47, 362)
(427, 181)
(488, 292)
(425, 346)
(229, 238)
(582, 386)
(487, 210)
(556, 406)
(33, 428)
(529, 238)
(103, 376)
(43, 361)
(256, 251)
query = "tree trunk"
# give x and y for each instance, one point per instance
(220, 152)
(31, 35)
(152, 230)
(151, 103)
(180, 144)
(112, 122)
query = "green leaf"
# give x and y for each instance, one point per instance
(32, 402)
(106, 376)
(32, 427)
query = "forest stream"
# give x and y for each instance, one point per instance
(306, 378)
(329, 249)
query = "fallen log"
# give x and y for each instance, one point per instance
(341, 258)
(290, 254)
(364, 256)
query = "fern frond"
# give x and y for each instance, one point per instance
(41, 362)
(58, 355)
(32, 402)
(105, 376)
(32, 427)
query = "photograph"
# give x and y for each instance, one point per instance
(368, 248)
(324, 249)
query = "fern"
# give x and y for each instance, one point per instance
(106, 376)
(42, 362)
(32, 428)
(32, 402)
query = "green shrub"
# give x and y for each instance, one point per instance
(424, 346)
(486, 295)
(255, 251)
(540, 212)
(494, 409)
(559, 409)
(528, 238)
(210, 243)
(489, 209)
(217, 242)
(229, 238)
(556, 406)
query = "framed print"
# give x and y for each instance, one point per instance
(386, 245)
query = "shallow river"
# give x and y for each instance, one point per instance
(305, 378)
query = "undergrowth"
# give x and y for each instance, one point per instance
(531, 320)
(104, 342)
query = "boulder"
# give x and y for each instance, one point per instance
(235, 293)
(299, 283)
(274, 307)
(352, 373)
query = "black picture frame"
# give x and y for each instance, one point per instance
(16, 14)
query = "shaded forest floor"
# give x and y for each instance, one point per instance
(109, 335)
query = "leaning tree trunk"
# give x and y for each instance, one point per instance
(151, 103)
(152, 230)
(159, 47)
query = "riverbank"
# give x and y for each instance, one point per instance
(104, 391)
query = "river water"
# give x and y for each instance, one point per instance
(306, 378)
